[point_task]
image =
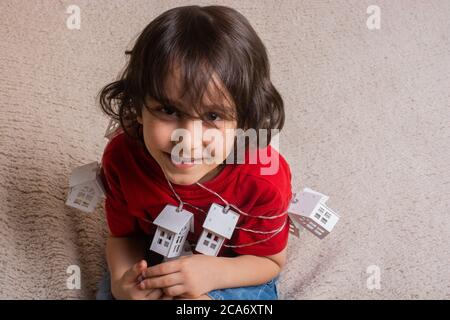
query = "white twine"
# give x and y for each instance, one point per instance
(228, 205)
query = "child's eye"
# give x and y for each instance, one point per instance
(167, 110)
(211, 116)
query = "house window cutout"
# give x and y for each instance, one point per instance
(317, 216)
(159, 241)
(311, 225)
(212, 240)
(85, 196)
(162, 233)
(321, 210)
(166, 244)
(327, 215)
(324, 220)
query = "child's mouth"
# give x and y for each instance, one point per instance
(182, 162)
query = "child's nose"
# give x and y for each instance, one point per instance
(193, 136)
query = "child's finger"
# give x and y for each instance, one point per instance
(135, 271)
(162, 281)
(174, 291)
(154, 294)
(162, 269)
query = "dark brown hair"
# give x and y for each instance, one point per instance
(201, 41)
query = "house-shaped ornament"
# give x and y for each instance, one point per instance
(217, 226)
(86, 187)
(186, 251)
(294, 225)
(113, 129)
(308, 209)
(172, 231)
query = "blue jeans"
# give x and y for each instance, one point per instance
(265, 291)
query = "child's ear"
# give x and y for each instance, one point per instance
(139, 117)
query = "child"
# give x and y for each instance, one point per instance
(194, 69)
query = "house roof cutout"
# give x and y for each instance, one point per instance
(83, 174)
(219, 222)
(172, 220)
(307, 204)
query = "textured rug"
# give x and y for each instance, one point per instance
(368, 123)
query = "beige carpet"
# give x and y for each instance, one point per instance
(368, 124)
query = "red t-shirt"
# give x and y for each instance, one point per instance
(137, 191)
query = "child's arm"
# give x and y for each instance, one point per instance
(195, 275)
(126, 263)
(122, 253)
(250, 270)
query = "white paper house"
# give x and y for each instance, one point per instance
(294, 227)
(172, 231)
(308, 209)
(113, 129)
(186, 251)
(217, 226)
(86, 187)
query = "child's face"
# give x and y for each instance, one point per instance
(158, 130)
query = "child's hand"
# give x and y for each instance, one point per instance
(187, 276)
(128, 286)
